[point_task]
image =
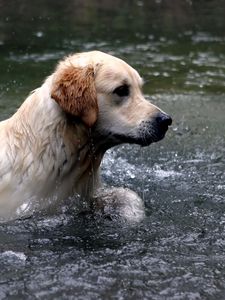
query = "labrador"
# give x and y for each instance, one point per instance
(52, 147)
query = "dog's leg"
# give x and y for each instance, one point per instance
(119, 202)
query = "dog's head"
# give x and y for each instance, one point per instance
(105, 93)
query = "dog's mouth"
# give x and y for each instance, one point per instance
(146, 133)
(143, 141)
(145, 136)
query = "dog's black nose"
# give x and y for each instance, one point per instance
(163, 119)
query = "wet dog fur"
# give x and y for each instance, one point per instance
(52, 147)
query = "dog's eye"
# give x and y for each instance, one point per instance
(122, 91)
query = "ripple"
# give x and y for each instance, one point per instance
(36, 57)
(11, 255)
(204, 37)
(165, 174)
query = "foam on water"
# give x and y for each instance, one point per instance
(12, 254)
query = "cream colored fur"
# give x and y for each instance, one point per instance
(46, 155)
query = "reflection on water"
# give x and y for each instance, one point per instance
(177, 252)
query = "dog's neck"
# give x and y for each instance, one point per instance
(58, 143)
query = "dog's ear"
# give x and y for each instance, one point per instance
(74, 90)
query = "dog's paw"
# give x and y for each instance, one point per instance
(119, 202)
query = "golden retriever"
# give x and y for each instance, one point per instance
(52, 147)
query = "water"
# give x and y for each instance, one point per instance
(177, 252)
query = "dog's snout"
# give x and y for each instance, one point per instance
(163, 119)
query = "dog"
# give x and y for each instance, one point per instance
(52, 147)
